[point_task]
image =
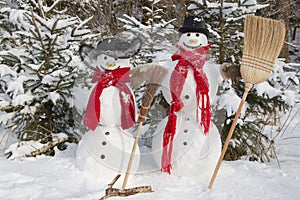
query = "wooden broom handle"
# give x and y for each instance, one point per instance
(132, 154)
(212, 180)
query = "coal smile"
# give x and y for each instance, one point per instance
(191, 47)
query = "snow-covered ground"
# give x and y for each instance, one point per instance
(48, 178)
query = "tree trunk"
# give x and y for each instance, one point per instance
(284, 5)
(222, 35)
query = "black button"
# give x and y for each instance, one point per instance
(184, 143)
(186, 96)
(107, 133)
(104, 143)
(102, 156)
(187, 119)
(185, 130)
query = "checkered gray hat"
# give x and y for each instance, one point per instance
(112, 47)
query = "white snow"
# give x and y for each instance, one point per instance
(58, 177)
(16, 86)
(5, 117)
(230, 101)
(21, 99)
(266, 88)
(48, 79)
(23, 148)
(53, 96)
(4, 70)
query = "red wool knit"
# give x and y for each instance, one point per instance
(195, 60)
(117, 78)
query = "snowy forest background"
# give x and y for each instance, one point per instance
(43, 82)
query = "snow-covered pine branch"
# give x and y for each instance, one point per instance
(38, 74)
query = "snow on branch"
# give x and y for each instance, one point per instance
(49, 9)
(33, 148)
(132, 21)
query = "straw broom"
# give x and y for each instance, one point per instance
(155, 78)
(263, 41)
(154, 75)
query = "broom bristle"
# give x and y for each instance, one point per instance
(155, 78)
(263, 41)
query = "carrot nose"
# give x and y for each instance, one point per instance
(193, 41)
(110, 64)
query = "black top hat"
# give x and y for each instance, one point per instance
(194, 24)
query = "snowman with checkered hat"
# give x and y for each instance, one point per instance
(105, 148)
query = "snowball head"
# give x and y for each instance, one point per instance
(105, 152)
(106, 62)
(191, 40)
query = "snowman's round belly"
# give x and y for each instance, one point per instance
(193, 152)
(105, 152)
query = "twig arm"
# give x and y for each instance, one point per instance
(114, 181)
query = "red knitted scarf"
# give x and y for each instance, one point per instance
(118, 78)
(195, 60)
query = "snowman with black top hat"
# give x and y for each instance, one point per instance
(187, 143)
(105, 149)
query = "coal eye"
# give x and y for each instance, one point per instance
(105, 58)
(116, 59)
(197, 35)
(188, 34)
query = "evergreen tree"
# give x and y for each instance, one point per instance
(38, 71)
(264, 106)
(157, 34)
